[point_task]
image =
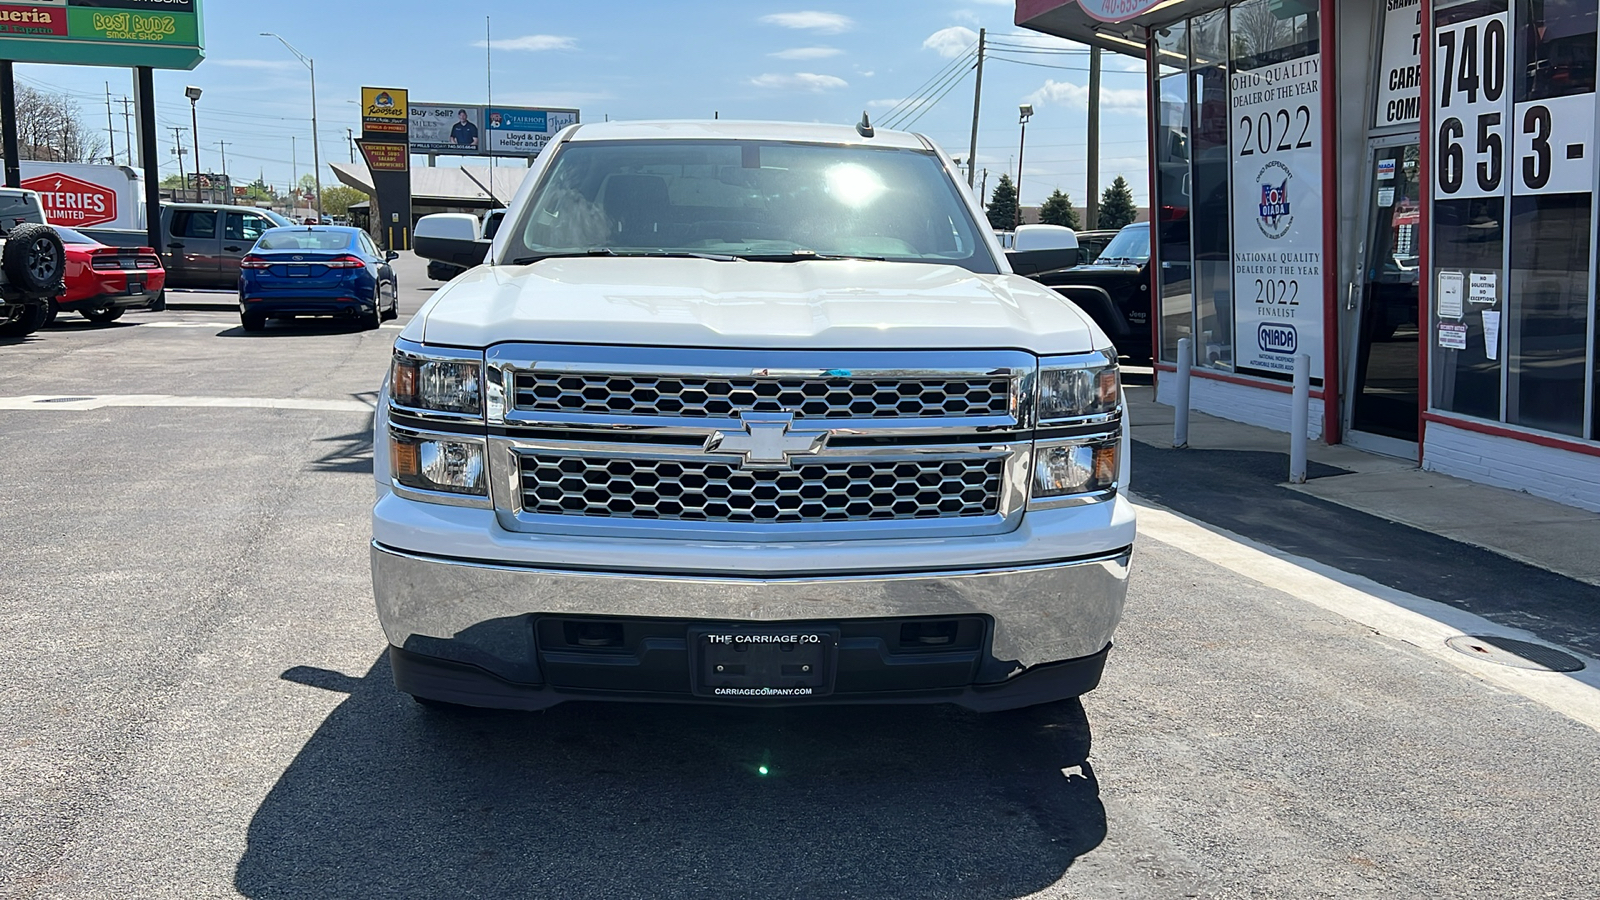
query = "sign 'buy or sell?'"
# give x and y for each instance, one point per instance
(74, 203)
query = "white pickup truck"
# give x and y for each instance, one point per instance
(748, 413)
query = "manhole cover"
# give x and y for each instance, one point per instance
(1519, 654)
(63, 399)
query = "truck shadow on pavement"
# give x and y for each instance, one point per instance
(624, 800)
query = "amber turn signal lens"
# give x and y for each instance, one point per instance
(1105, 464)
(403, 457)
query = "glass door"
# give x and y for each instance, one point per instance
(1384, 371)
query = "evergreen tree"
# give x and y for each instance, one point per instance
(1003, 205)
(1057, 210)
(1116, 205)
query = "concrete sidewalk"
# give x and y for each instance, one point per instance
(1542, 533)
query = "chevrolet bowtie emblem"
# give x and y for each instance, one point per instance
(767, 442)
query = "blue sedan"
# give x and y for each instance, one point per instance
(316, 270)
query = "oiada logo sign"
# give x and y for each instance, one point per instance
(74, 202)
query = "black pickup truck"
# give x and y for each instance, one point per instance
(201, 243)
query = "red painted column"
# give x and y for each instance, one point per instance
(1331, 303)
(1425, 231)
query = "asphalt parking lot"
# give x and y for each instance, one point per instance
(195, 702)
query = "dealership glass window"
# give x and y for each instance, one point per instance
(1548, 309)
(1468, 239)
(1170, 154)
(1213, 257)
(1172, 47)
(1208, 37)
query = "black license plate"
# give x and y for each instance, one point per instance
(741, 662)
(299, 271)
(135, 286)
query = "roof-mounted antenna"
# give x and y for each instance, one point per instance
(864, 127)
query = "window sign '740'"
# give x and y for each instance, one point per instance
(1547, 150)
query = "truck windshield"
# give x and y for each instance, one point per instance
(762, 200)
(1131, 245)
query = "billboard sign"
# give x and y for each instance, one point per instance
(454, 130)
(516, 131)
(383, 110)
(162, 34)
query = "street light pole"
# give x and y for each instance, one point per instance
(1026, 113)
(193, 93)
(316, 152)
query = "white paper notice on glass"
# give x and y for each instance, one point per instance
(1452, 336)
(1386, 197)
(1481, 289)
(1491, 333)
(1451, 287)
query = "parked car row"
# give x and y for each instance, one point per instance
(281, 270)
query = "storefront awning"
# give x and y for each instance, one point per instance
(1115, 25)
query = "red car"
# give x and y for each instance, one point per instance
(103, 282)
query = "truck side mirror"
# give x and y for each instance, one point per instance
(450, 238)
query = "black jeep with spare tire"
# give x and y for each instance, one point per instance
(32, 264)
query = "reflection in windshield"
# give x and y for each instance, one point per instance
(769, 201)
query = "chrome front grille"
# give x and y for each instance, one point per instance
(711, 490)
(758, 445)
(820, 396)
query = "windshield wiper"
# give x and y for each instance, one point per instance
(805, 256)
(607, 251)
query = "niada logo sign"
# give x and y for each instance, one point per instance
(1273, 337)
(1274, 216)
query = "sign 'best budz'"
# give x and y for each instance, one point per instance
(1276, 138)
(162, 34)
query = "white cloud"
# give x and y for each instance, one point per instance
(532, 42)
(951, 42)
(811, 20)
(802, 81)
(807, 53)
(265, 64)
(1065, 93)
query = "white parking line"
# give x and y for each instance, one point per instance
(81, 402)
(1425, 624)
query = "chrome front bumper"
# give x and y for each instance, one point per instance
(464, 610)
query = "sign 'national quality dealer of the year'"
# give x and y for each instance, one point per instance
(1276, 136)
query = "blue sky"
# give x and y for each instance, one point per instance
(805, 61)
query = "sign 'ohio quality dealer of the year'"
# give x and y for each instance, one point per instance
(1276, 136)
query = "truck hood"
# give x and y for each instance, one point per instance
(835, 304)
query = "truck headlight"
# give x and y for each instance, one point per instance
(436, 384)
(1063, 468)
(451, 465)
(1081, 387)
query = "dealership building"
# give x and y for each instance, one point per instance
(1402, 190)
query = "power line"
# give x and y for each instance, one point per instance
(935, 101)
(929, 98)
(922, 91)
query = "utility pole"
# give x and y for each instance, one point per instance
(294, 169)
(977, 99)
(1092, 205)
(350, 135)
(177, 147)
(223, 146)
(111, 128)
(127, 126)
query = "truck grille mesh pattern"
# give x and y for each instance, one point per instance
(723, 398)
(711, 491)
